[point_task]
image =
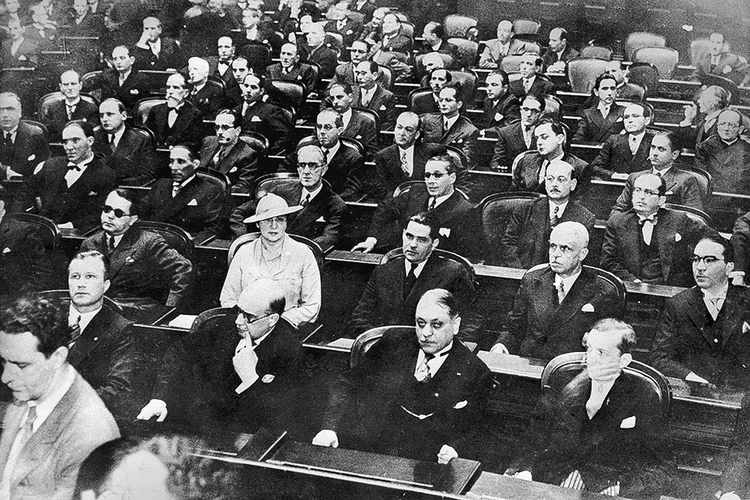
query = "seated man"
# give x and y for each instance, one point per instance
(25, 266)
(395, 287)
(682, 188)
(702, 335)
(598, 123)
(129, 153)
(345, 71)
(722, 63)
(320, 53)
(70, 107)
(225, 152)
(69, 190)
(289, 68)
(514, 139)
(143, 270)
(417, 396)
(602, 432)
(741, 250)
(23, 145)
(726, 156)
(322, 212)
(102, 347)
(405, 159)
(371, 95)
(503, 45)
(186, 200)
(276, 256)
(177, 120)
(650, 243)
(207, 98)
(19, 51)
(555, 305)
(700, 119)
(341, 22)
(559, 52)
(448, 127)
(261, 117)
(438, 195)
(220, 65)
(435, 40)
(356, 125)
(501, 108)
(526, 240)
(34, 344)
(122, 81)
(393, 38)
(156, 52)
(531, 81)
(243, 382)
(529, 169)
(437, 80)
(626, 153)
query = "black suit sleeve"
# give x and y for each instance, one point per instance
(117, 388)
(668, 344)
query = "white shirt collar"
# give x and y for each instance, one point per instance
(440, 199)
(721, 295)
(155, 46)
(418, 269)
(560, 208)
(185, 182)
(660, 172)
(332, 151)
(450, 121)
(118, 136)
(85, 317)
(312, 193)
(346, 117)
(436, 362)
(567, 282)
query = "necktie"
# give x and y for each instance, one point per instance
(605, 112)
(526, 84)
(423, 373)
(405, 164)
(555, 220)
(23, 436)
(431, 205)
(306, 200)
(73, 166)
(527, 137)
(70, 110)
(713, 307)
(445, 126)
(75, 331)
(365, 99)
(110, 244)
(175, 188)
(111, 141)
(325, 154)
(409, 279)
(7, 140)
(340, 25)
(560, 292)
(647, 230)
(633, 145)
(543, 172)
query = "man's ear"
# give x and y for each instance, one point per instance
(107, 283)
(456, 325)
(573, 184)
(625, 359)
(59, 356)
(584, 252)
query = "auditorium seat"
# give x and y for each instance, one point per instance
(457, 25)
(596, 52)
(494, 212)
(640, 39)
(664, 59)
(582, 73)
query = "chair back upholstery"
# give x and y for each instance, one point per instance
(369, 116)
(663, 58)
(562, 369)
(458, 156)
(62, 298)
(526, 27)
(457, 25)
(147, 134)
(645, 75)
(143, 107)
(366, 340)
(699, 48)
(692, 212)
(247, 238)
(175, 236)
(614, 284)
(467, 84)
(44, 228)
(286, 92)
(387, 78)
(467, 49)
(407, 29)
(219, 180)
(257, 141)
(582, 73)
(552, 107)
(38, 125)
(87, 81)
(269, 183)
(511, 64)
(596, 52)
(411, 101)
(494, 212)
(448, 61)
(640, 39)
(258, 56)
(533, 48)
(397, 253)
(705, 181)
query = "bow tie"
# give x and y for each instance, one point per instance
(73, 166)
(652, 219)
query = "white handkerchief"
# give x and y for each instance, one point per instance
(382, 107)
(587, 308)
(677, 237)
(745, 327)
(445, 231)
(7, 250)
(727, 69)
(193, 203)
(460, 404)
(255, 119)
(31, 158)
(498, 117)
(233, 169)
(268, 378)
(628, 423)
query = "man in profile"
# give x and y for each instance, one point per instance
(555, 304)
(417, 396)
(262, 117)
(290, 69)
(58, 419)
(449, 127)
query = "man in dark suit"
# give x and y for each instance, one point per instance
(19, 51)
(395, 287)
(364, 7)
(291, 69)
(526, 240)
(323, 210)
(154, 51)
(371, 95)
(123, 81)
(209, 99)
(701, 118)
(103, 344)
(559, 52)
(319, 52)
(345, 71)
(529, 169)
(500, 108)
(342, 23)
(220, 65)
(242, 382)
(449, 128)
(514, 139)
(623, 154)
(177, 120)
(261, 117)
(70, 107)
(227, 153)
(434, 40)
(719, 62)
(437, 80)
(186, 200)
(126, 151)
(438, 195)
(23, 145)
(356, 126)
(82, 22)
(34, 346)
(726, 156)
(144, 271)
(405, 159)
(604, 120)
(393, 38)
(71, 190)
(531, 82)
(649, 243)
(255, 32)
(25, 265)
(703, 334)
(417, 396)
(601, 431)
(556, 304)
(682, 188)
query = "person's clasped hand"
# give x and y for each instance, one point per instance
(245, 362)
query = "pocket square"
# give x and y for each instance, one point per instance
(92, 193)
(382, 107)
(587, 308)
(129, 260)
(232, 170)
(669, 193)
(193, 203)
(628, 423)
(349, 32)
(134, 91)
(619, 119)
(745, 326)
(255, 119)
(7, 250)
(445, 231)
(499, 117)
(677, 237)
(727, 69)
(460, 404)
(268, 378)
(31, 158)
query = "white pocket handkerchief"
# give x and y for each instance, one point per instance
(745, 326)
(193, 203)
(382, 107)
(461, 404)
(268, 378)
(498, 117)
(255, 119)
(445, 231)
(628, 423)
(31, 158)
(677, 237)
(727, 69)
(7, 250)
(587, 308)
(232, 170)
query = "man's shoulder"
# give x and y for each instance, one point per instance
(388, 151)
(509, 130)
(467, 125)
(87, 412)
(431, 118)
(537, 273)
(211, 140)
(619, 219)
(30, 130)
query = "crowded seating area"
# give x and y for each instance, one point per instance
(375, 249)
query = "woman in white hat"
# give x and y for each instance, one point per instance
(277, 257)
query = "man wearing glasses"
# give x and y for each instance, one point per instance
(725, 155)
(514, 139)
(703, 334)
(449, 127)
(228, 154)
(248, 366)
(650, 243)
(345, 72)
(144, 271)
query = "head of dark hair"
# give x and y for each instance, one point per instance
(601, 78)
(188, 148)
(41, 318)
(502, 74)
(456, 89)
(93, 254)
(727, 252)
(86, 127)
(670, 136)
(448, 75)
(627, 340)
(450, 162)
(427, 219)
(277, 305)
(127, 194)
(438, 30)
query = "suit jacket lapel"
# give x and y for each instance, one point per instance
(670, 179)
(666, 235)
(86, 343)
(697, 312)
(121, 253)
(184, 196)
(578, 295)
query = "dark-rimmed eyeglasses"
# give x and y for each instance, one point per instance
(249, 319)
(649, 192)
(309, 166)
(707, 259)
(118, 213)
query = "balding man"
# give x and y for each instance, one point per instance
(623, 154)
(531, 81)
(319, 52)
(123, 81)
(23, 144)
(501, 107)
(357, 125)
(725, 155)
(503, 45)
(371, 95)
(177, 120)
(394, 39)
(559, 52)
(156, 52)
(526, 241)
(436, 80)
(70, 107)
(209, 99)
(720, 62)
(449, 127)
(220, 65)
(289, 68)
(557, 303)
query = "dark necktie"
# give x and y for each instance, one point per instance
(424, 374)
(73, 166)
(555, 220)
(431, 205)
(70, 110)
(410, 279)
(75, 331)
(7, 140)
(306, 201)
(110, 244)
